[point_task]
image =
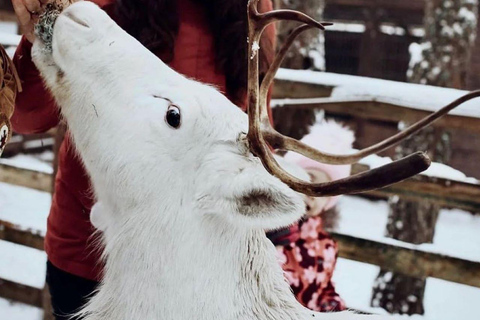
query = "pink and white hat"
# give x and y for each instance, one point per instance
(331, 137)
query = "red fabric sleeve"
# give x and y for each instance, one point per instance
(35, 109)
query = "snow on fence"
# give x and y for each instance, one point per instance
(372, 99)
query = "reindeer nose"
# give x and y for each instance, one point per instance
(75, 17)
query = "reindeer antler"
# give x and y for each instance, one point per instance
(261, 134)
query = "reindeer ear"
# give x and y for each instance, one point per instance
(267, 203)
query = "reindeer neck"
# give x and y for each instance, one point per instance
(195, 269)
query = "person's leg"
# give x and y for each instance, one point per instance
(69, 292)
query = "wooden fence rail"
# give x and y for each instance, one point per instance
(372, 99)
(447, 193)
(20, 293)
(15, 234)
(369, 108)
(25, 178)
(409, 261)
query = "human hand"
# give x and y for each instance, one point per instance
(27, 12)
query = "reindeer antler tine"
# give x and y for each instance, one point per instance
(270, 75)
(291, 15)
(260, 137)
(264, 19)
(383, 176)
(278, 141)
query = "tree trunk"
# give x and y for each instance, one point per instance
(441, 60)
(413, 222)
(443, 57)
(473, 77)
(308, 50)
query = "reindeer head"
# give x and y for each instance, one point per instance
(146, 132)
(138, 124)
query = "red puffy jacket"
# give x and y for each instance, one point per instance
(68, 241)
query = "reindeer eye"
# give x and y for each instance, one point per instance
(173, 117)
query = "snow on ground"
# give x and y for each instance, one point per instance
(19, 311)
(354, 88)
(31, 162)
(22, 264)
(29, 209)
(9, 36)
(24, 207)
(9, 28)
(9, 39)
(443, 300)
(457, 232)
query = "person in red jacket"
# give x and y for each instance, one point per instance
(204, 40)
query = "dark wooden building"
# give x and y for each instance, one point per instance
(380, 48)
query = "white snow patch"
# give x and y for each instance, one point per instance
(30, 162)
(9, 38)
(9, 27)
(347, 27)
(22, 264)
(416, 53)
(255, 48)
(456, 234)
(443, 300)
(19, 311)
(318, 59)
(467, 14)
(408, 95)
(436, 169)
(24, 207)
(392, 30)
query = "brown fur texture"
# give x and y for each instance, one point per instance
(9, 85)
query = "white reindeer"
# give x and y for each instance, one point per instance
(184, 204)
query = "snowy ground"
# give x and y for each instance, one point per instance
(38, 162)
(24, 207)
(443, 300)
(18, 311)
(457, 234)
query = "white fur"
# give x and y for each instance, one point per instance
(184, 230)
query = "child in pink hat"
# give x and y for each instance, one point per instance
(308, 254)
